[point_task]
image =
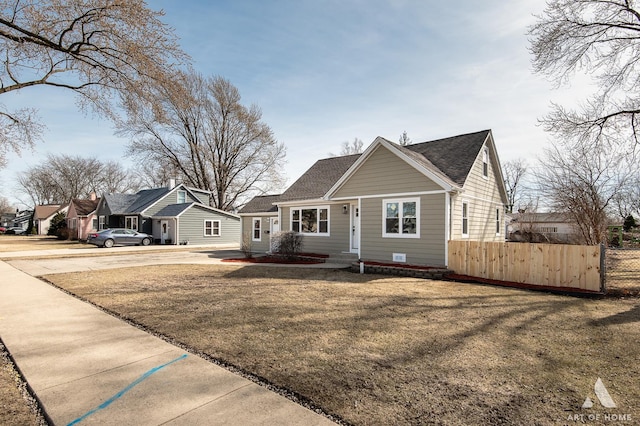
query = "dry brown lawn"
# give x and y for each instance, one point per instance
(9, 243)
(387, 350)
(623, 272)
(16, 406)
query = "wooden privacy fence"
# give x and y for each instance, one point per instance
(547, 265)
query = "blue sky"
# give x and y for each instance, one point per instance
(325, 72)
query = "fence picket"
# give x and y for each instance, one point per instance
(553, 265)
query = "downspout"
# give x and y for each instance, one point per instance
(447, 227)
(177, 241)
(360, 230)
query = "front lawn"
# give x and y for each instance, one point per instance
(388, 350)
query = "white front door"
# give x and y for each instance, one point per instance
(274, 228)
(164, 231)
(355, 228)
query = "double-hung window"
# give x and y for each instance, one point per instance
(401, 218)
(485, 163)
(257, 229)
(131, 222)
(101, 223)
(182, 197)
(465, 219)
(211, 228)
(310, 221)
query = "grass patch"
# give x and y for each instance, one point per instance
(10, 243)
(389, 350)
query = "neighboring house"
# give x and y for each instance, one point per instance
(391, 203)
(44, 213)
(541, 227)
(172, 215)
(22, 219)
(81, 217)
(7, 218)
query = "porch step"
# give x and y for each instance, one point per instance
(342, 258)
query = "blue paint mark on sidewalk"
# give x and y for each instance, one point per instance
(125, 390)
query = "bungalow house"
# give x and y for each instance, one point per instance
(44, 213)
(81, 217)
(391, 203)
(172, 215)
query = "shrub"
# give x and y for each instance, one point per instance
(58, 226)
(287, 243)
(245, 246)
(629, 223)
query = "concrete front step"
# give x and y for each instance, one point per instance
(343, 258)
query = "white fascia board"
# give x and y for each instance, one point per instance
(355, 166)
(296, 203)
(419, 167)
(380, 141)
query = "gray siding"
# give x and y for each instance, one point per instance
(429, 249)
(191, 227)
(483, 197)
(170, 198)
(385, 173)
(263, 245)
(339, 231)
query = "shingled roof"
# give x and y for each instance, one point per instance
(453, 156)
(118, 203)
(261, 204)
(85, 207)
(450, 159)
(319, 178)
(145, 198)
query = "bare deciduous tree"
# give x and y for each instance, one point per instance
(581, 180)
(61, 178)
(514, 171)
(198, 127)
(627, 200)
(404, 139)
(96, 48)
(350, 148)
(600, 39)
(6, 206)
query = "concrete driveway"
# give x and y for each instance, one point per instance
(44, 265)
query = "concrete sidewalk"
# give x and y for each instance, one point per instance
(87, 367)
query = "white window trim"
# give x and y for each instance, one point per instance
(485, 161)
(134, 220)
(498, 221)
(212, 221)
(253, 229)
(462, 217)
(181, 191)
(101, 220)
(318, 208)
(384, 217)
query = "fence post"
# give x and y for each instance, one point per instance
(603, 268)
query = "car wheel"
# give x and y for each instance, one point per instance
(146, 241)
(108, 243)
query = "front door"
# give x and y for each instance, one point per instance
(274, 228)
(164, 231)
(355, 228)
